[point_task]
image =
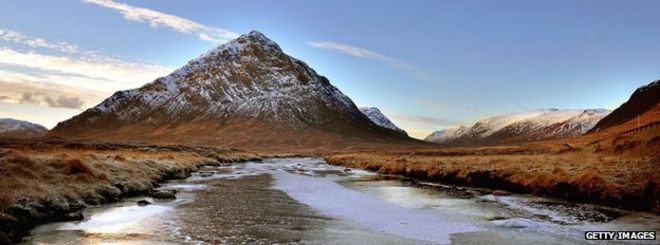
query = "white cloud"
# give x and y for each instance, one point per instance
(89, 72)
(19, 37)
(158, 19)
(38, 92)
(368, 54)
(74, 80)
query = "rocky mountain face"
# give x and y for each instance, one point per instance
(376, 116)
(522, 127)
(641, 101)
(20, 129)
(246, 93)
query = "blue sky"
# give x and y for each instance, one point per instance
(427, 64)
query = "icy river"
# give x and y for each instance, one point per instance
(306, 201)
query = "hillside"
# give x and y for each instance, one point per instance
(643, 100)
(20, 129)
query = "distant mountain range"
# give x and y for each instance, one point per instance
(522, 127)
(20, 129)
(379, 119)
(247, 94)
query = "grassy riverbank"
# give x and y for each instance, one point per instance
(618, 180)
(45, 181)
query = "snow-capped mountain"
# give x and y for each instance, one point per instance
(446, 135)
(20, 129)
(244, 93)
(376, 116)
(519, 127)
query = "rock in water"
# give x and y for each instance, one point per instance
(164, 194)
(143, 203)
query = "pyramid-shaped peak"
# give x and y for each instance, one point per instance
(256, 37)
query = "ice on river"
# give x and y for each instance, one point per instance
(332, 199)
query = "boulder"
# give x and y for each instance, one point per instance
(164, 194)
(143, 203)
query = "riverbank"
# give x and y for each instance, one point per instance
(622, 181)
(306, 201)
(52, 181)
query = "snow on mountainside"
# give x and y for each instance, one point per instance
(526, 126)
(376, 116)
(20, 129)
(246, 92)
(446, 135)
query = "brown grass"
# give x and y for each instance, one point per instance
(626, 181)
(38, 183)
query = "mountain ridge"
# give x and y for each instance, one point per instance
(522, 127)
(14, 128)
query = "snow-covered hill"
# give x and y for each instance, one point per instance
(526, 126)
(376, 116)
(446, 135)
(246, 92)
(20, 129)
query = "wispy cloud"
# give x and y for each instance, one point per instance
(92, 72)
(372, 55)
(72, 79)
(159, 19)
(62, 101)
(425, 120)
(19, 37)
(46, 94)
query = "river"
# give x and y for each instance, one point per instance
(306, 201)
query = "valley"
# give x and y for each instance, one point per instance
(247, 144)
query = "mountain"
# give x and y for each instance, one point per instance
(446, 135)
(641, 101)
(376, 116)
(20, 129)
(522, 127)
(246, 93)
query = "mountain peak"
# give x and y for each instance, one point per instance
(257, 38)
(241, 93)
(377, 117)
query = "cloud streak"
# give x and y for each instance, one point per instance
(425, 120)
(44, 94)
(372, 55)
(19, 37)
(92, 72)
(158, 19)
(71, 80)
